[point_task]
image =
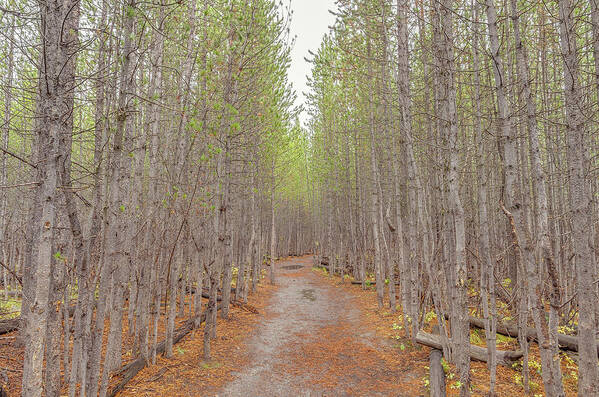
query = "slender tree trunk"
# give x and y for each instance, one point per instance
(595, 23)
(59, 31)
(548, 342)
(117, 258)
(449, 129)
(5, 140)
(273, 234)
(579, 205)
(376, 200)
(487, 279)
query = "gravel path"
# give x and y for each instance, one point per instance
(308, 343)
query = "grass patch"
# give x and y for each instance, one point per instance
(475, 337)
(503, 339)
(10, 308)
(211, 364)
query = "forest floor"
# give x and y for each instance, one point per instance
(309, 339)
(312, 334)
(186, 373)
(316, 341)
(414, 358)
(12, 354)
(317, 335)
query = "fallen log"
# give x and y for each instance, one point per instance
(130, 370)
(218, 297)
(327, 265)
(477, 353)
(14, 292)
(205, 291)
(565, 342)
(354, 282)
(12, 324)
(9, 325)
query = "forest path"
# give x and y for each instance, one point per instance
(310, 343)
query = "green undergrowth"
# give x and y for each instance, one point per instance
(211, 364)
(10, 308)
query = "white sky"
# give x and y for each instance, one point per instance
(310, 22)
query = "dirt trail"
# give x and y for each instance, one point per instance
(310, 343)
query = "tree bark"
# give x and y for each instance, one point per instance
(59, 31)
(588, 372)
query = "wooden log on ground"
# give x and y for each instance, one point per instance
(218, 297)
(205, 291)
(354, 282)
(12, 324)
(566, 342)
(9, 325)
(436, 374)
(128, 371)
(504, 357)
(14, 292)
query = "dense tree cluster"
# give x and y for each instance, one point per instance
(147, 149)
(150, 154)
(454, 149)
